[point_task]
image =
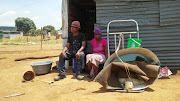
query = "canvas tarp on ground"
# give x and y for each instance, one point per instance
(143, 69)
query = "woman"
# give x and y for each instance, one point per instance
(99, 53)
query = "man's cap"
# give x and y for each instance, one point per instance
(75, 24)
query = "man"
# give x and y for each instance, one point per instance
(77, 42)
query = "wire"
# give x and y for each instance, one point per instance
(126, 67)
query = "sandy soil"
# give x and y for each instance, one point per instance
(69, 89)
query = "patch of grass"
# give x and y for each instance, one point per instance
(30, 40)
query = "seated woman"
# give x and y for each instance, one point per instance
(98, 53)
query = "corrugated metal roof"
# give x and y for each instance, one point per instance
(152, 17)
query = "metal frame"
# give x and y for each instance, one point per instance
(118, 33)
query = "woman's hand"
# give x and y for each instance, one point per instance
(106, 51)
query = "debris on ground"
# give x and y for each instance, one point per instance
(14, 95)
(165, 72)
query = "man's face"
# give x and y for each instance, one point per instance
(74, 29)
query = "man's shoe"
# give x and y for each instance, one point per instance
(59, 77)
(79, 77)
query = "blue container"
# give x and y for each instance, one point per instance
(41, 67)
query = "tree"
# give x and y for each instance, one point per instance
(61, 28)
(38, 32)
(32, 32)
(48, 28)
(54, 32)
(24, 24)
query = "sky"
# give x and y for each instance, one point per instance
(42, 12)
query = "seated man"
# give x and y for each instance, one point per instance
(77, 42)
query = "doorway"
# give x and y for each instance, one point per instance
(85, 12)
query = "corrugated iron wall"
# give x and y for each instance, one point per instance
(159, 24)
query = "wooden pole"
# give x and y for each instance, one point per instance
(56, 36)
(41, 38)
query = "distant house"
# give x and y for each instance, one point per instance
(159, 23)
(12, 34)
(7, 28)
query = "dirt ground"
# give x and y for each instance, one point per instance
(69, 89)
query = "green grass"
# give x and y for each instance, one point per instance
(25, 40)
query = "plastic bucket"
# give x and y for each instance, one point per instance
(134, 42)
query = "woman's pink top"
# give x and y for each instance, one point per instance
(98, 47)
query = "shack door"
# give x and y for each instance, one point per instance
(85, 12)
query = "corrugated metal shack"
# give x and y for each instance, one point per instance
(159, 23)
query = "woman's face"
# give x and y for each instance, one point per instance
(97, 36)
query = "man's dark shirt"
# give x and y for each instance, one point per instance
(76, 41)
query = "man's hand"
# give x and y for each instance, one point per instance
(64, 50)
(63, 54)
(78, 55)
